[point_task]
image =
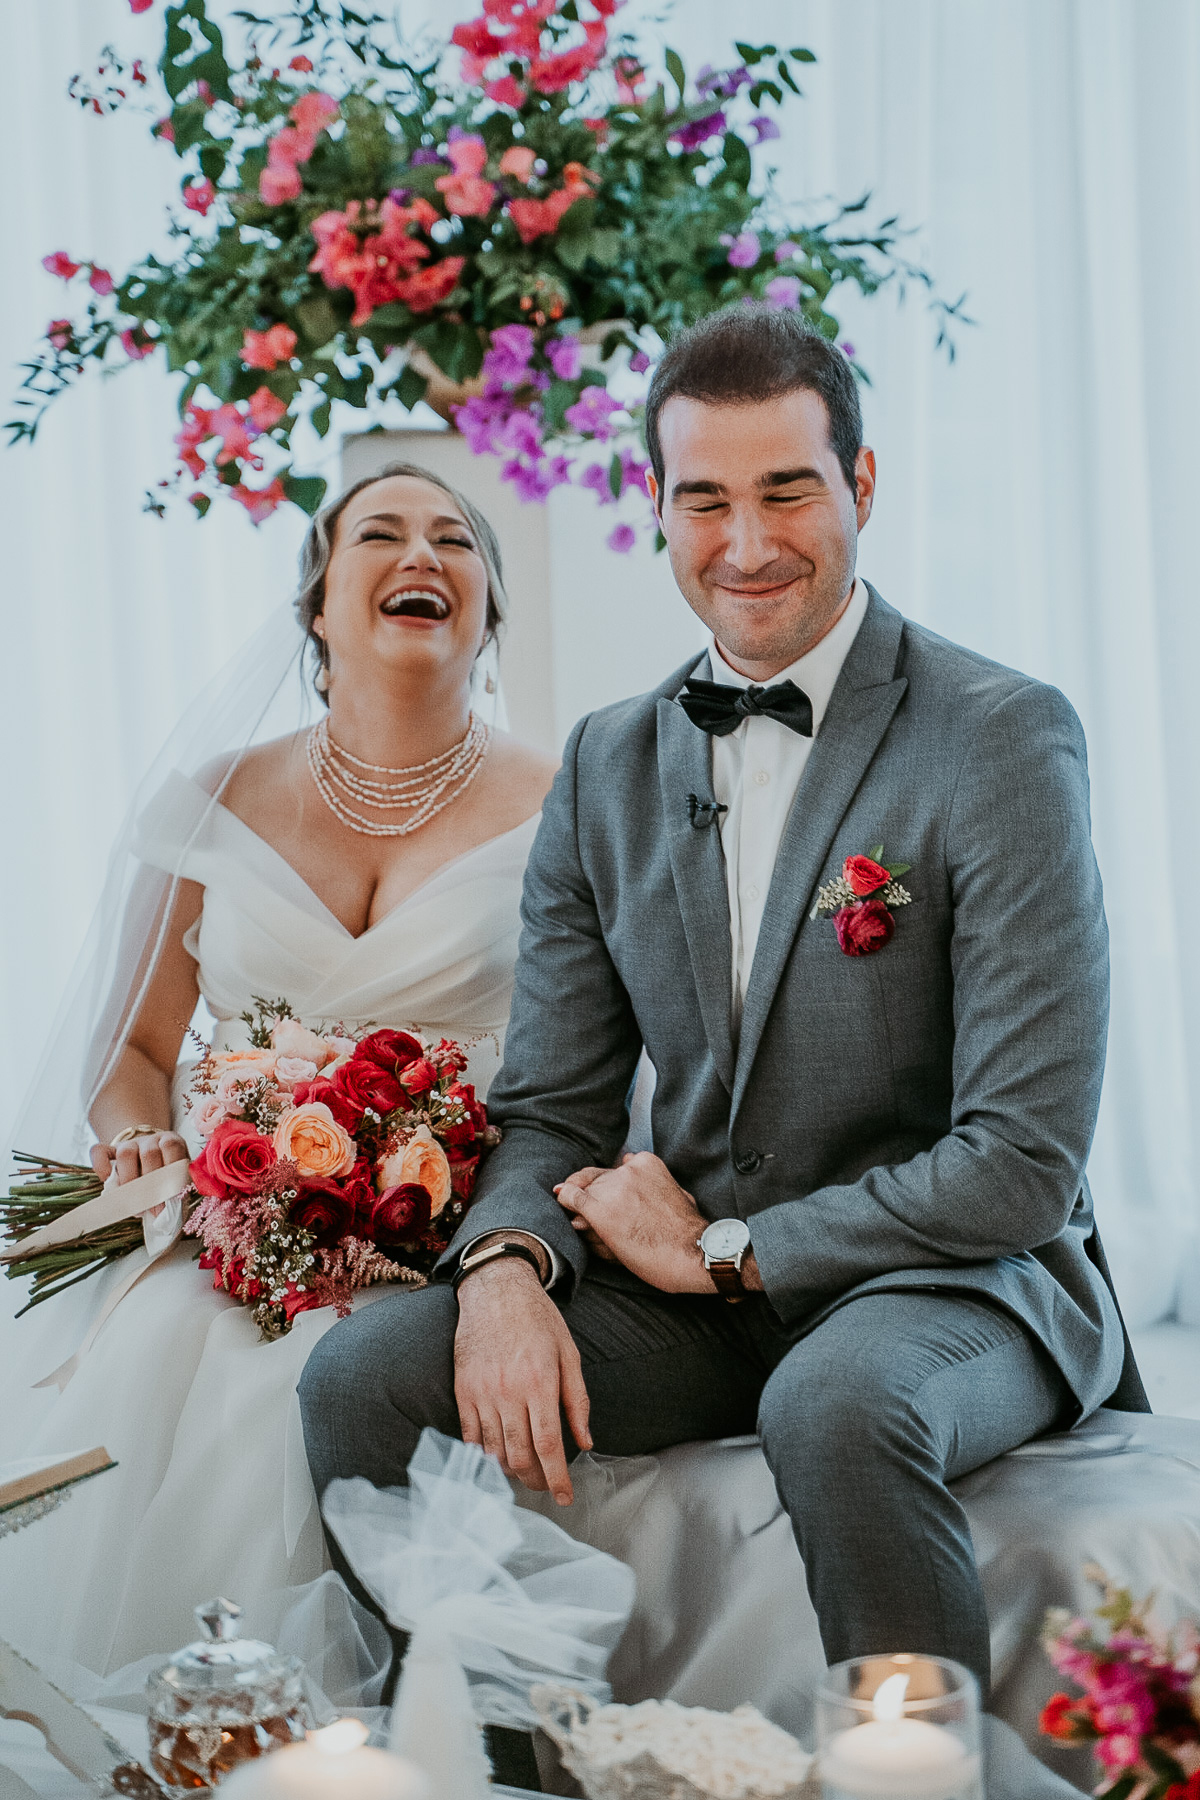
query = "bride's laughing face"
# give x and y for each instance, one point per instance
(406, 583)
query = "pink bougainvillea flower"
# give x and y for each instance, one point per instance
(198, 196)
(467, 153)
(196, 429)
(639, 362)
(631, 80)
(267, 349)
(260, 503)
(425, 289)
(505, 92)
(265, 410)
(135, 343)
(100, 281)
(60, 264)
(313, 112)
(518, 160)
(235, 432)
(621, 538)
(277, 185)
(60, 333)
(592, 412)
(465, 191)
(164, 129)
(138, 72)
(551, 74)
(140, 6)
(566, 357)
(536, 218)
(744, 249)
(301, 64)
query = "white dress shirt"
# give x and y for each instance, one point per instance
(756, 771)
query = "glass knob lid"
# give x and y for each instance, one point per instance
(218, 1619)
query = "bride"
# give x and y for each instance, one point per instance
(369, 871)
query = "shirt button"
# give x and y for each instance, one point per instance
(751, 892)
(747, 1162)
(761, 778)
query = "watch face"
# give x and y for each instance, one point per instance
(725, 1238)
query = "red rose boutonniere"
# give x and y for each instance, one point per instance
(861, 900)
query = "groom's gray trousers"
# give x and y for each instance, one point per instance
(863, 1421)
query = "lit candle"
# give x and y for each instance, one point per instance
(891, 1757)
(333, 1764)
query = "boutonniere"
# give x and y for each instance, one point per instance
(860, 902)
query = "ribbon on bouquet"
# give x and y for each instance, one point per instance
(157, 1198)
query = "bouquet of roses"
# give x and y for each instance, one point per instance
(329, 1162)
(1140, 1704)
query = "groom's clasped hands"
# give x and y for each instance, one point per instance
(517, 1373)
(637, 1214)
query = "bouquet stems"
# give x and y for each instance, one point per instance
(40, 1193)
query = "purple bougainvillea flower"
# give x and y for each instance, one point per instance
(520, 432)
(633, 471)
(744, 249)
(784, 252)
(592, 412)
(508, 358)
(847, 349)
(595, 477)
(622, 538)
(721, 84)
(639, 362)
(784, 290)
(566, 357)
(764, 129)
(698, 131)
(424, 155)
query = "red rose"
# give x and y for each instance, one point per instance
(419, 1077)
(464, 1167)
(324, 1209)
(235, 1156)
(863, 875)
(863, 928)
(364, 1084)
(400, 1213)
(390, 1049)
(348, 1116)
(298, 1300)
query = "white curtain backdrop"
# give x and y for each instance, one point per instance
(1034, 498)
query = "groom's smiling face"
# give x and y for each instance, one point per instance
(761, 524)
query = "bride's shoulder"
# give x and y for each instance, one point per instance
(518, 779)
(246, 778)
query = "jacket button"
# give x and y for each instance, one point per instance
(747, 1162)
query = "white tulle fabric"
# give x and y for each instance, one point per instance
(212, 1492)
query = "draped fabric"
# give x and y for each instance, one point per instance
(1034, 499)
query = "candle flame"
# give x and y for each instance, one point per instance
(889, 1698)
(341, 1736)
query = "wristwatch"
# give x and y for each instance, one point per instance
(724, 1244)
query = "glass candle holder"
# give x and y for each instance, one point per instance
(899, 1728)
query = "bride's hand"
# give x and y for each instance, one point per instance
(139, 1155)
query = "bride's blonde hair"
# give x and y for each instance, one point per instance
(317, 550)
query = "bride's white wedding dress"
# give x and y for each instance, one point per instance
(212, 1492)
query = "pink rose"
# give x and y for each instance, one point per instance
(290, 1038)
(864, 928)
(290, 1071)
(207, 1114)
(236, 1156)
(275, 185)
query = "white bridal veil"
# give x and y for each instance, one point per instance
(264, 692)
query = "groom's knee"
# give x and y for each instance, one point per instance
(374, 1381)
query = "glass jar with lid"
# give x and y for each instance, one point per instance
(222, 1701)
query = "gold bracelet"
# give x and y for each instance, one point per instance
(136, 1131)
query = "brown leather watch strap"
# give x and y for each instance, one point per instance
(727, 1279)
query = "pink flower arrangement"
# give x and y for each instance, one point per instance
(1140, 1705)
(329, 1163)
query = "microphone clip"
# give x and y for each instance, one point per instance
(703, 813)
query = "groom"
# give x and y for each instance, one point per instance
(865, 1231)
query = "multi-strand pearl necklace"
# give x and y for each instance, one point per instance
(424, 790)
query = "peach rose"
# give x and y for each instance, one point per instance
(290, 1038)
(250, 1062)
(421, 1160)
(310, 1136)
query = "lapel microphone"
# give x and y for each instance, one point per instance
(703, 813)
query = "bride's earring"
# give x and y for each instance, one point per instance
(322, 677)
(489, 686)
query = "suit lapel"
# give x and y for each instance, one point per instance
(698, 865)
(860, 711)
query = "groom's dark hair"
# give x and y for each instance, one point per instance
(745, 354)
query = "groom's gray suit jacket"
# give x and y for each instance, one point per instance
(914, 1119)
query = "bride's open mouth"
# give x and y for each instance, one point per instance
(416, 603)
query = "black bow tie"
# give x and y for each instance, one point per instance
(719, 710)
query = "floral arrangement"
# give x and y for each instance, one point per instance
(1140, 1705)
(357, 225)
(330, 1162)
(860, 902)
